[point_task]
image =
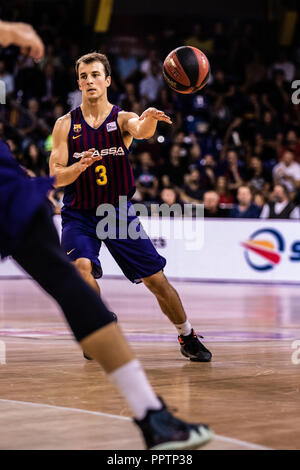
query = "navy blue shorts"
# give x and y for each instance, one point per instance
(82, 238)
(20, 198)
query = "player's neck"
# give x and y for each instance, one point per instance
(96, 108)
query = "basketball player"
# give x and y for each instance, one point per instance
(27, 234)
(97, 127)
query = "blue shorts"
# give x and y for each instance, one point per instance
(82, 238)
(20, 198)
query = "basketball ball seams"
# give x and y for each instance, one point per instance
(171, 82)
(175, 70)
(203, 65)
(204, 81)
(188, 60)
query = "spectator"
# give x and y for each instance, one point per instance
(279, 92)
(145, 177)
(35, 160)
(225, 196)
(173, 171)
(129, 97)
(291, 143)
(259, 200)
(151, 84)
(284, 65)
(268, 129)
(147, 63)
(31, 124)
(14, 149)
(245, 209)
(287, 172)
(207, 172)
(211, 205)
(126, 64)
(255, 71)
(54, 84)
(257, 176)
(192, 191)
(168, 196)
(280, 207)
(29, 79)
(232, 169)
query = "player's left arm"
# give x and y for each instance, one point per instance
(144, 126)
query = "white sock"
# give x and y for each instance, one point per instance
(133, 384)
(184, 329)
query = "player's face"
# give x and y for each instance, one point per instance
(92, 81)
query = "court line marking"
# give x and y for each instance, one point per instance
(65, 408)
(126, 418)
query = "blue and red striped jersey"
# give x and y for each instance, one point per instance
(106, 179)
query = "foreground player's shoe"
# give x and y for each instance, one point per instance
(162, 431)
(191, 347)
(88, 358)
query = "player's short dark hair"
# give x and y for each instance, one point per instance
(94, 57)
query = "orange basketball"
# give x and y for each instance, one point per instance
(186, 69)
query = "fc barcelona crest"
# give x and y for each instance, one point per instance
(77, 128)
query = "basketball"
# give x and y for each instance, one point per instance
(186, 69)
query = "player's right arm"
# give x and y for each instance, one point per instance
(58, 163)
(21, 34)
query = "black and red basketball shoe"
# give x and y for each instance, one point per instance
(191, 347)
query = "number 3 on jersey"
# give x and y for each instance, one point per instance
(100, 171)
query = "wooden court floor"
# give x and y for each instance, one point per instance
(51, 398)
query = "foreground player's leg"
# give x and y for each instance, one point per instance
(84, 267)
(40, 255)
(171, 306)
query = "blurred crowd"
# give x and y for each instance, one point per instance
(233, 146)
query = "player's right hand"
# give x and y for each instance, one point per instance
(87, 159)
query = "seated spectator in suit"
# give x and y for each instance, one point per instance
(211, 205)
(245, 209)
(280, 206)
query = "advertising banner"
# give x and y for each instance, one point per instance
(215, 250)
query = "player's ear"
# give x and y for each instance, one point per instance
(78, 84)
(108, 81)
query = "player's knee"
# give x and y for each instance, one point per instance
(84, 266)
(157, 283)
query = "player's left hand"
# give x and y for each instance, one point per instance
(155, 114)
